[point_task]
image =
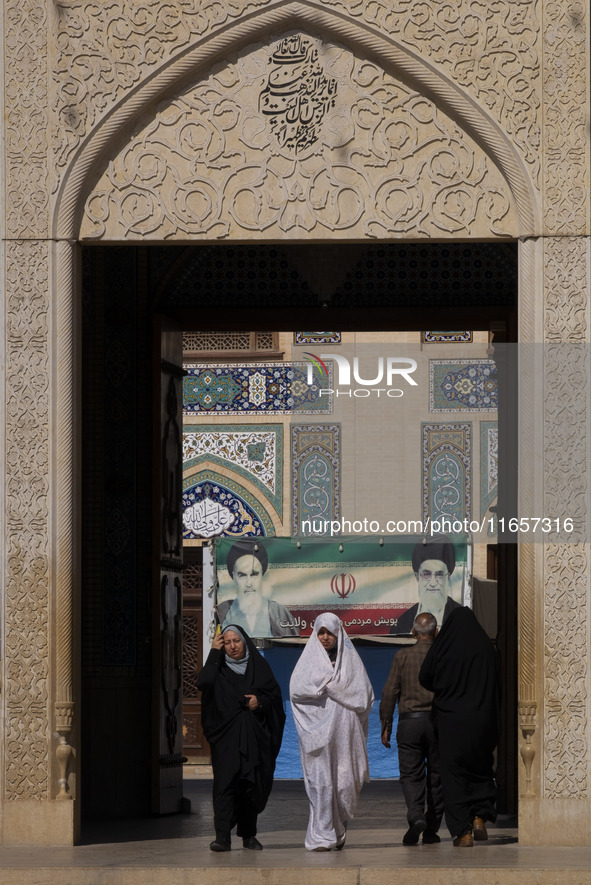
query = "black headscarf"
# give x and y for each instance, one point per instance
(461, 668)
(245, 742)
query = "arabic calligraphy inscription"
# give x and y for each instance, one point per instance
(207, 518)
(298, 94)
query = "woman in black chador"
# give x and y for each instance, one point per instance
(243, 719)
(461, 668)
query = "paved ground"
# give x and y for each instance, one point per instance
(174, 851)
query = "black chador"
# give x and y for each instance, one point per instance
(461, 668)
(244, 743)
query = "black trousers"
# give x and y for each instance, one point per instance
(420, 778)
(468, 784)
(232, 806)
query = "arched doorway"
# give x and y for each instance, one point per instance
(430, 165)
(507, 100)
(467, 284)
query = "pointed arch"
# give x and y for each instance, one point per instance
(228, 494)
(108, 135)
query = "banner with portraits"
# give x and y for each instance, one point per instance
(274, 588)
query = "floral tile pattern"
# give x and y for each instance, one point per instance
(463, 385)
(254, 389)
(316, 473)
(254, 452)
(447, 471)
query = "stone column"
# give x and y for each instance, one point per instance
(555, 572)
(36, 455)
(555, 453)
(38, 512)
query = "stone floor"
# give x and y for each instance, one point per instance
(174, 851)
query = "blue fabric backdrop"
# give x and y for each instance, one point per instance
(377, 661)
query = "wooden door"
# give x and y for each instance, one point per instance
(195, 745)
(167, 570)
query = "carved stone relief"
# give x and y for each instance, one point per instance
(566, 491)
(566, 289)
(491, 50)
(347, 149)
(26, 687)
(27, 118)
(566, 117)
(566, 744)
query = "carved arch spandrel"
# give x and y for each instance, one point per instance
(97, 148)
(296, 137)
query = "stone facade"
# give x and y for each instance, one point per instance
(411, 121)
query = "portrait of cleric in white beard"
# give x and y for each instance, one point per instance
(252, 608)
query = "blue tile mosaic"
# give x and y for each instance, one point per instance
(316, 473)
(463, 385)
(255, 389)
(447, 471)
(252, 451)
(217, 506)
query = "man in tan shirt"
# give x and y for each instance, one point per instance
(418, 754)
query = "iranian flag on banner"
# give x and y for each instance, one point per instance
(280, 585)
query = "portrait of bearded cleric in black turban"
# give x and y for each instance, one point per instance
(433, 562)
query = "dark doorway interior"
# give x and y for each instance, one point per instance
(274, 287)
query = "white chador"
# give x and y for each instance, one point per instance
(331, 700)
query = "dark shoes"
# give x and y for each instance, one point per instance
(465, 841)
(430, 838)
(250, 842)
(220, 845)
(411, 837)
(479, 830)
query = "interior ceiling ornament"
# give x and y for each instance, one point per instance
(347, 148)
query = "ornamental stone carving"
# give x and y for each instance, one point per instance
(26, 684)
(490, 50)
(566, 744)
(26, 117)
(566, 118)
(567, 366)
(566, 492)
(277, 144)
(566, 289)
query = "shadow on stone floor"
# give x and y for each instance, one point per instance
(381, 807)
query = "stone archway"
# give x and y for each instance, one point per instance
(47, 186)
(432, 91)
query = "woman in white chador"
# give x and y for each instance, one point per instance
(331, 697)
